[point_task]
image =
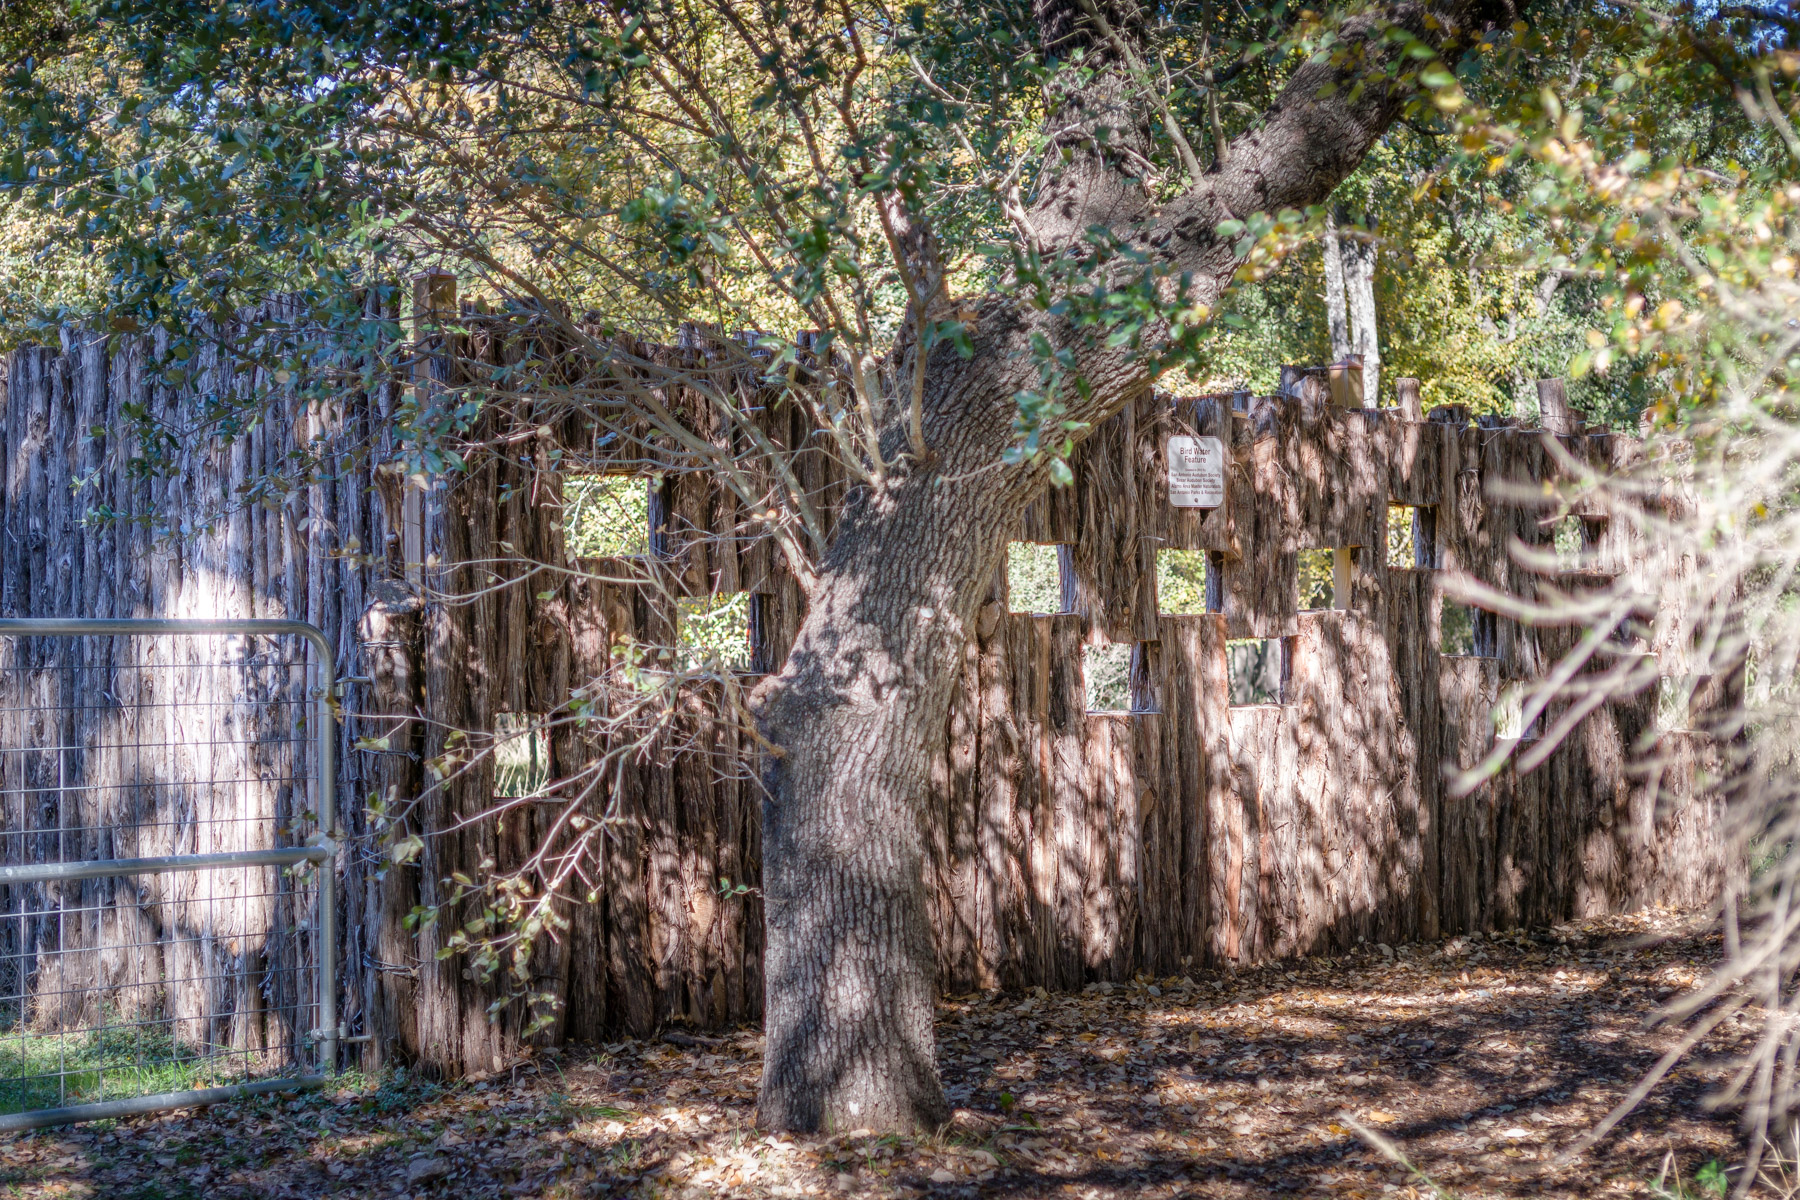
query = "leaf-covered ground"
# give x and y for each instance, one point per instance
(1480, 1057)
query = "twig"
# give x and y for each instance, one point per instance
(1392, 1152)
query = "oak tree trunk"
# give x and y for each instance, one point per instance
(849, 965)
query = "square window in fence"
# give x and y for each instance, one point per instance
(1181, 581)
(1034, 578)
(521, 755)
(1674, 702)
(1465, 630)
(1400, 537)
(1107, 671)
(606, 516)
(1257, 670)
(713, 632)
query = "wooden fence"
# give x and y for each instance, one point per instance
(1067, 845)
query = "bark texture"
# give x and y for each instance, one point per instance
(1359, 288)
(849, 1019)
(1337, 315)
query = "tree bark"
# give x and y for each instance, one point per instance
(1337, 317)
(1359, 288)
(850, 969)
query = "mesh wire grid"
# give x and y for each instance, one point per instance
(155, 982)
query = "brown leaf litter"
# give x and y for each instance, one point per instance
(1480, 1057)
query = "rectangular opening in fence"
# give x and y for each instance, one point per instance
(1509, 716)
(1675, 702)
(1568, 535)
(1181, 581)
(1466, 630)
(1107, 674)
(1034, 578)
(1411, 536)
(521, 755)
(1256, 670)
(606, 516)
(162, 928)
(1324, 578)
(713, 632)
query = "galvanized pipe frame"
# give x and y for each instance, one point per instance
(322, 850)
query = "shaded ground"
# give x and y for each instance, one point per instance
(1480, 1057)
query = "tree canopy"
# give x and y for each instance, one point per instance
(727, 165)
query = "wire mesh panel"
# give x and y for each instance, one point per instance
(165, 921)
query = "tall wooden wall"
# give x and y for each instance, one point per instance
(1067, 845)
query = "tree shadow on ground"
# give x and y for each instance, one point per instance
(1481, 1058)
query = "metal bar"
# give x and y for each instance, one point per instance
(138, 1105)
(108, 868)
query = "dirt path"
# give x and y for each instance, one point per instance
(1481, 1057)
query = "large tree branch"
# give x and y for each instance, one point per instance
(1099, 148)
(1318, 129)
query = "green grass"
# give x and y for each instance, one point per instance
(109, 1063)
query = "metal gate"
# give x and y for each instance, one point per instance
(167, 919)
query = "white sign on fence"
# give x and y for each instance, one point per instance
(1196, 472)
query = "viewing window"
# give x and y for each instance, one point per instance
(1466, 630)
(1181, 581)
(1411, 536)
(1509, 716)
(521, 755)
(1257, 669)
(713, 631)
(1315, 579)
(1034, 578)
(1107, 672)
(1324, 578)
(1570, 539)
(606, 516)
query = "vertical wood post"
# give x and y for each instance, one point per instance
(434, 302)
(1412, 407)
(1343, 570)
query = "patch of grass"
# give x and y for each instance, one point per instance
(48, 1070)
(562, 1110)
(399, 1092)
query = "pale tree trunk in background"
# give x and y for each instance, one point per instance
(1359, 288)
(850, 968)
(1337, 317)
